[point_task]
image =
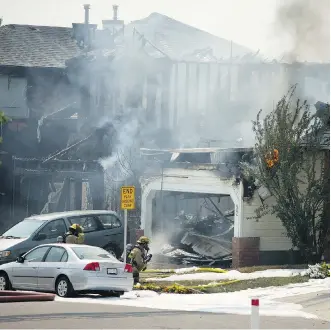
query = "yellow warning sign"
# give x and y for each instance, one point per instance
(128, 198)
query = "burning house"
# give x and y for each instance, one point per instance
(156, 84)
(164, 84)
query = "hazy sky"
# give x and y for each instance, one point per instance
(251, 23)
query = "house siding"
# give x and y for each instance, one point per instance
(269, 228)
(13, 96)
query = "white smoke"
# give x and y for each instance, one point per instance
(305, 26)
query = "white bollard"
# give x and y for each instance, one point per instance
(255, 317)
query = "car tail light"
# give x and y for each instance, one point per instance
(128, 268)
(92, 266)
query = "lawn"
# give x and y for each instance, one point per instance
(200, 286)
(162, 273)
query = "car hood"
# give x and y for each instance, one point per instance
(7, 243)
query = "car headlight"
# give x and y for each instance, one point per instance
(4, 254)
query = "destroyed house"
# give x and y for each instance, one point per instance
(201, 210)
(186, 80)
(44, 108)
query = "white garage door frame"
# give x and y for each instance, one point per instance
(192, 181)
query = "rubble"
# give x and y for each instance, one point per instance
(200, 240)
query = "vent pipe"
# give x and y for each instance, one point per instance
(115, 10)
(86, 22)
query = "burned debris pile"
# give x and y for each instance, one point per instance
(200, 240)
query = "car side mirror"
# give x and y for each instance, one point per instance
(20, 259)
(40, 237)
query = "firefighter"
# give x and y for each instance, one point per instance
(75, 235)
(139, 257)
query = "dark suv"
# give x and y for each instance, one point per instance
(101, 228)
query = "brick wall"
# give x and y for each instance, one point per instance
(245, 251)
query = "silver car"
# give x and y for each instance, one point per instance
(67, 269)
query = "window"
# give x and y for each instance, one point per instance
(56, 254)
(110, 221)
(54, 229)
(92, 253)
(24, 228)
(64, 257)
(37, 254)
(87, 222)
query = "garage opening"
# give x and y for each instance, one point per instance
(192, 228)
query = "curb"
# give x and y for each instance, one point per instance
(20, 296)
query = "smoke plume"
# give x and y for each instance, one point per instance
(306, 24)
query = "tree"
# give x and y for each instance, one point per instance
(288, 161)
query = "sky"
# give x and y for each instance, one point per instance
(251, 23)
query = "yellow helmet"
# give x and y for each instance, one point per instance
(143, 240)
(76, 227)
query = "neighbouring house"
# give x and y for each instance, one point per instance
(33, 84)
(45, 111)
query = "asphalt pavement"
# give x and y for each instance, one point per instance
(62, 315)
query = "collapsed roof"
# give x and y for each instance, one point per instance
(180, 41)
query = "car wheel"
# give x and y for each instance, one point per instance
(63, 287)
(4, 282)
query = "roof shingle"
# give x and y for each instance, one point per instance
(36, 46)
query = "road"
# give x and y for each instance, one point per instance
(317, 303)
(62, 315)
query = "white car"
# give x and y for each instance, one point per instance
(67, 269)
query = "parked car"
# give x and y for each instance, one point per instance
(67, 269)
(101, 228)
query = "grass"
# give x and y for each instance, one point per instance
(197, 286)
(159, 273)
(173, 271)
(257, 283)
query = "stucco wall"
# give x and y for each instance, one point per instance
(269, 228)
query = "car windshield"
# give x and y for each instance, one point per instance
(23, 229)
(95, 253)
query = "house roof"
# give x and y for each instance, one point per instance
(36, 46)
(184, 42)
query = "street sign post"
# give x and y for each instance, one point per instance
(128, 202)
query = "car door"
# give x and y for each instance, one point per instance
(112, 229)
(25, 274)
(51, 231)
(91, 228)
(54, 264)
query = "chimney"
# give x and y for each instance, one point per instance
(115, 10)
(0, 21)
(113, 25)
(86, 22)
(84, 32)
